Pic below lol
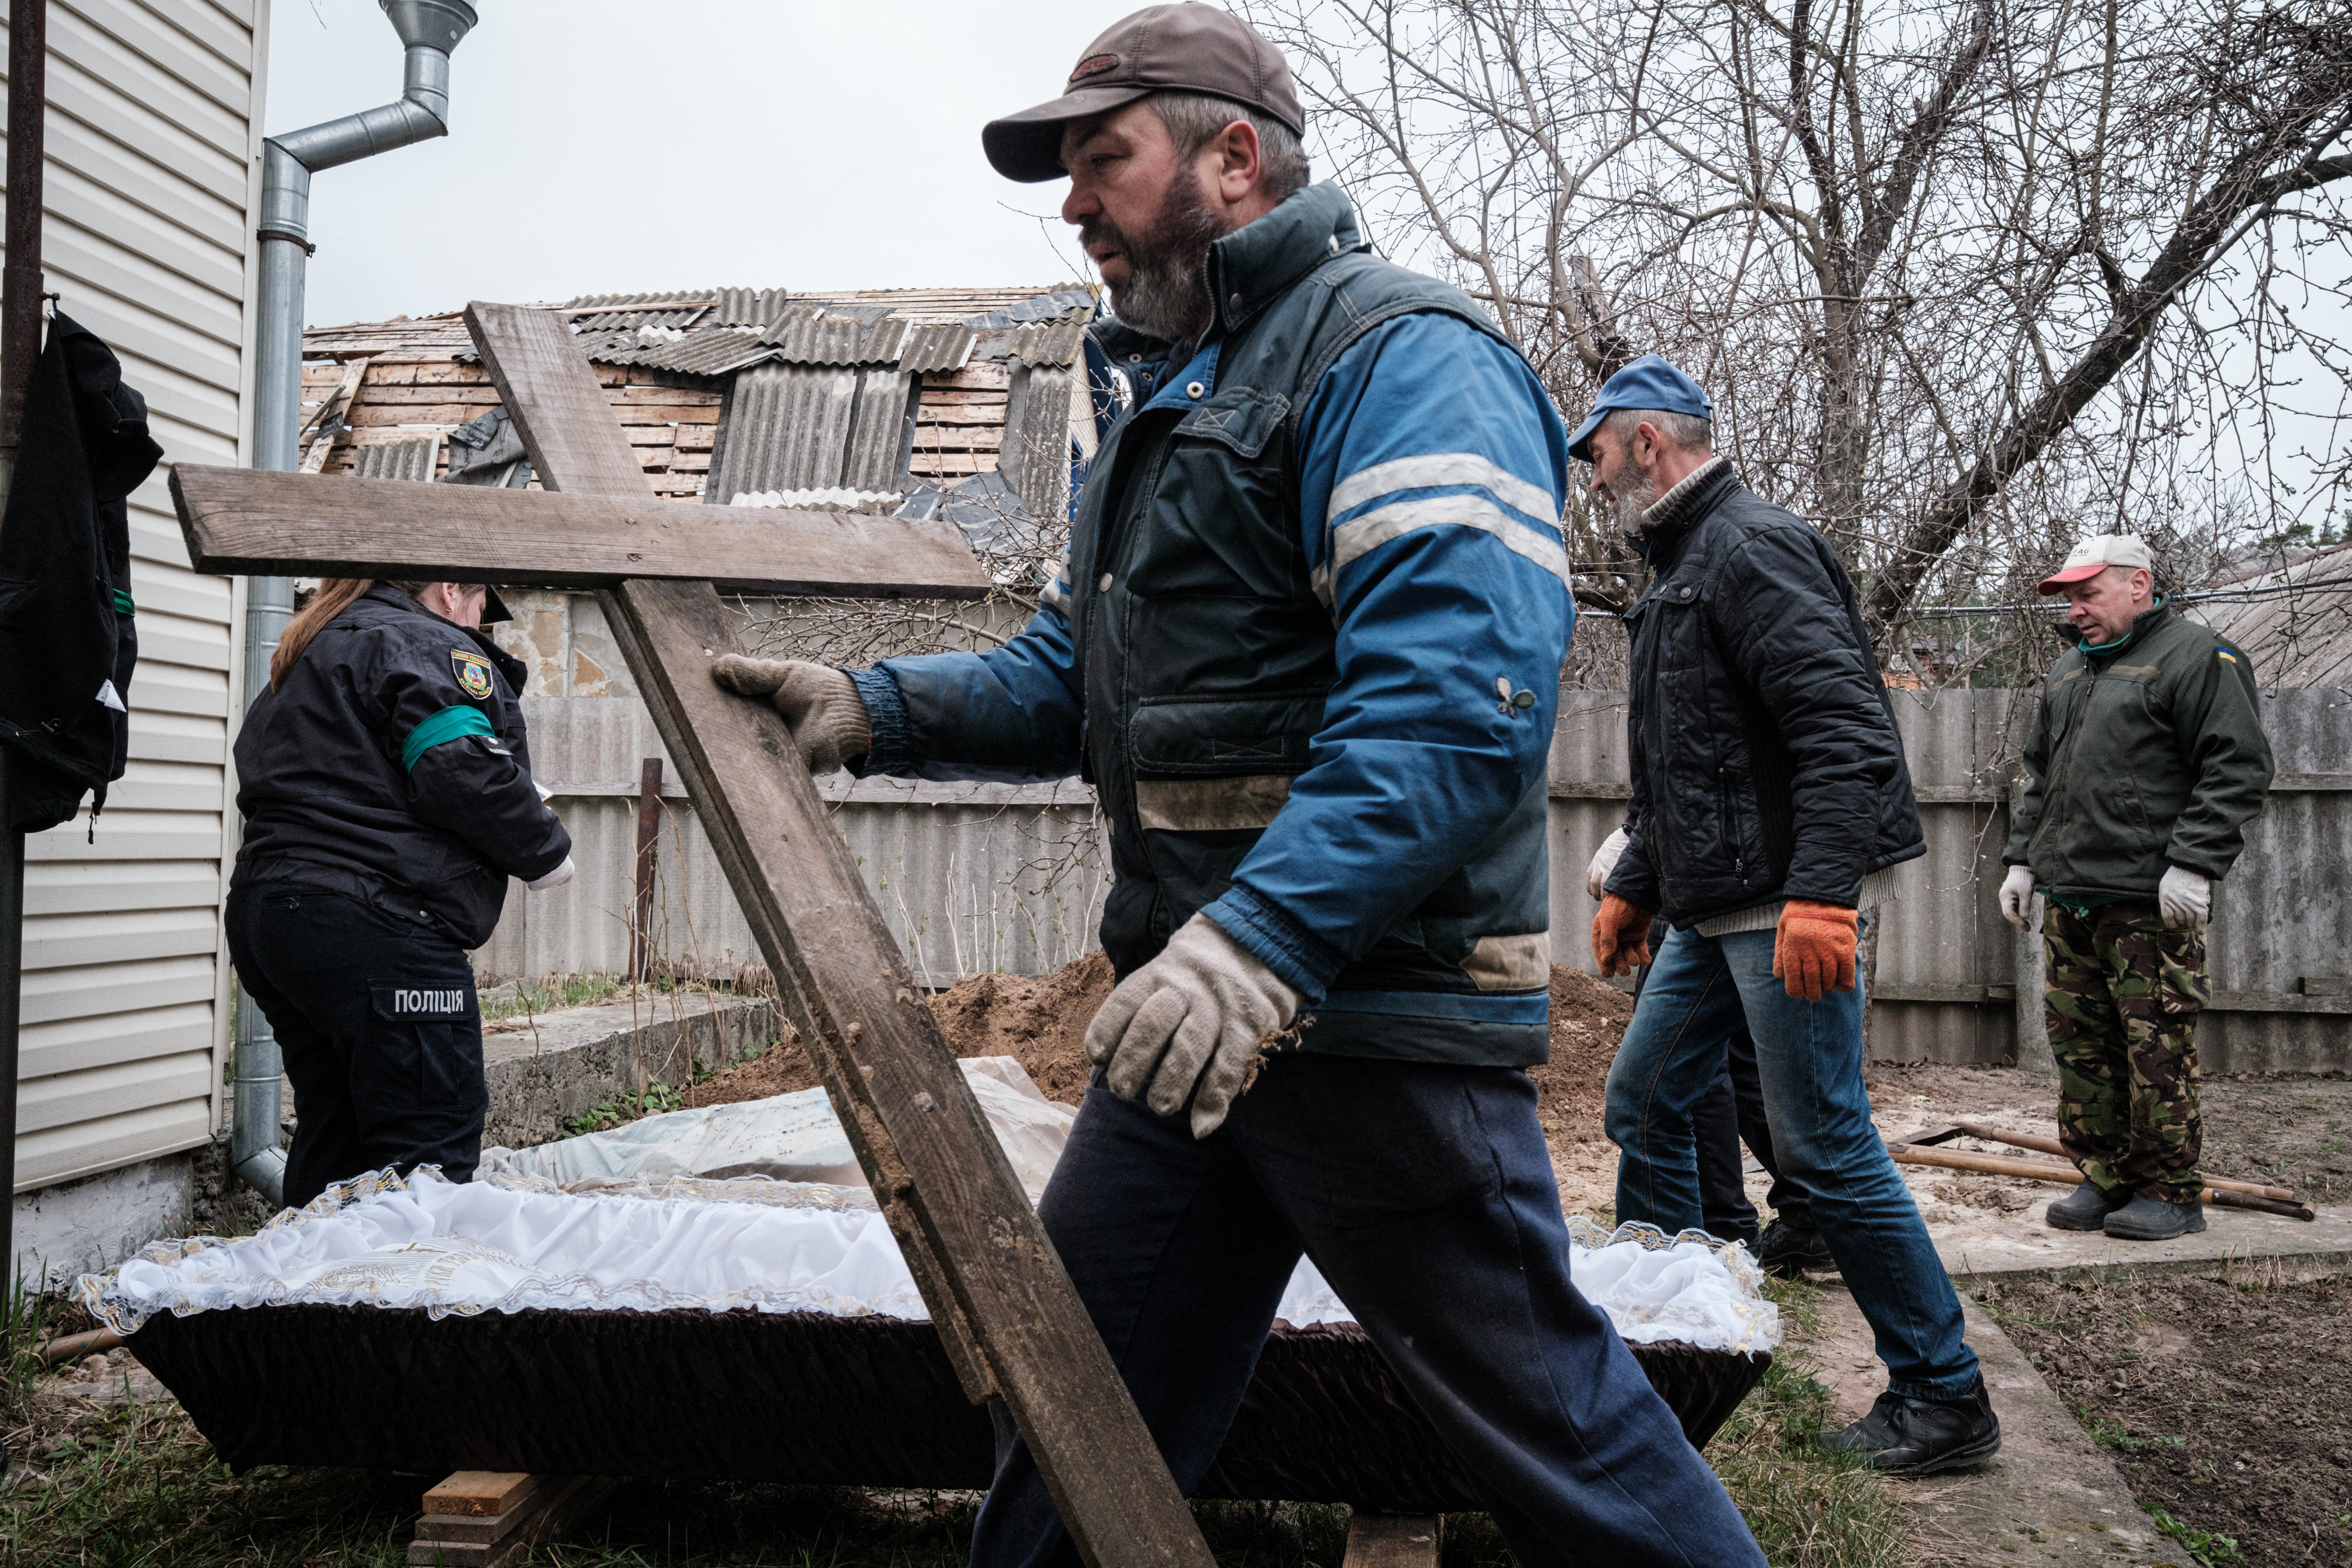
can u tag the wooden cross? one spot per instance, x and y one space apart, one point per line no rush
1005 1307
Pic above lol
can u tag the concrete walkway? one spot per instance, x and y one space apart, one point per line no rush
2235 1244
2051 1497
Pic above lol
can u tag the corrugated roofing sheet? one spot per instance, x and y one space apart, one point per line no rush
1057 343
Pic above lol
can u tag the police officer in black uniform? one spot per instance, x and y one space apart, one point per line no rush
385 783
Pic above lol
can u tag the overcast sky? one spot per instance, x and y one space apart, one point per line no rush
598 146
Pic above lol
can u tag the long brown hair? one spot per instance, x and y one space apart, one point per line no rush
332 598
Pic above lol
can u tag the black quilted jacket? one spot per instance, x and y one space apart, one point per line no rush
1765 758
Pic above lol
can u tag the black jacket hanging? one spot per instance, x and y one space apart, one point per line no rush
67 642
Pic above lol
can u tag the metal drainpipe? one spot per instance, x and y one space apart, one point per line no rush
428 30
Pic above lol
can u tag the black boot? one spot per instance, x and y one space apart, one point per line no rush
2086 1207
1904 1436
1788 1250
2147 1219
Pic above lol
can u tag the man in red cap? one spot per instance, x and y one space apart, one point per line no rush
2147 760
1306 648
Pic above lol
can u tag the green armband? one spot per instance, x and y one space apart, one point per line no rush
449 725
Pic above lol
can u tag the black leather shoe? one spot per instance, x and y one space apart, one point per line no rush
2086 1207
1904 1436
2152 1219
1788 1250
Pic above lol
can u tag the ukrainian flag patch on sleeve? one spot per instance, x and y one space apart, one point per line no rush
473 673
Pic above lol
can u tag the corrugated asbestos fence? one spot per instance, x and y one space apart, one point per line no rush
972 878
989 877
1947 967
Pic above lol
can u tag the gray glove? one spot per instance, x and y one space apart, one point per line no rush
554 879
820 704
2185 898
1604 862
1206 1002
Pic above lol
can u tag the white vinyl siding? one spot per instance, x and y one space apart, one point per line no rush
152 149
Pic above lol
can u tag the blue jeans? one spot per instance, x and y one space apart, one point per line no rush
1809 1057
1424 1193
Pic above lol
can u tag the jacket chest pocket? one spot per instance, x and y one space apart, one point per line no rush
1217 522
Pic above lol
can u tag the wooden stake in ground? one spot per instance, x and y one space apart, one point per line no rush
1003 1304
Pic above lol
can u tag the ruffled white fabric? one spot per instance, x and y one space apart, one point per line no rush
626 1222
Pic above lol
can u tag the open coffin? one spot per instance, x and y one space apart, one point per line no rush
602 1306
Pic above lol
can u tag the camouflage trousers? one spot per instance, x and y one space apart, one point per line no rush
2123 995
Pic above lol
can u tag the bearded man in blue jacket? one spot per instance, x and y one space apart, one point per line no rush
1306 650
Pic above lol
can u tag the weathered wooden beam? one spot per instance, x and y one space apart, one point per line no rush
1005 1304
244 520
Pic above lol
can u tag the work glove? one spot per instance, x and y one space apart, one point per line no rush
2186 899
2017 898
1605 861
554 879
1204 1003
820 705
1621 936
1813 951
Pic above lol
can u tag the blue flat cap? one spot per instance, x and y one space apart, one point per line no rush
1650 381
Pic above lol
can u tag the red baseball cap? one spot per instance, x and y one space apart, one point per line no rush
1161 48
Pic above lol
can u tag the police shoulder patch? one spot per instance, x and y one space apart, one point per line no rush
473 672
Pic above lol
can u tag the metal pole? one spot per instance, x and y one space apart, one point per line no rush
641 941
20 347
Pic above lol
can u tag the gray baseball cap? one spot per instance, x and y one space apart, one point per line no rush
1188 48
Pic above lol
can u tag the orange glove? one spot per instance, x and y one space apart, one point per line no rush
1813 949
1621 936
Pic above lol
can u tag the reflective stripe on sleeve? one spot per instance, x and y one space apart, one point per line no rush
449 725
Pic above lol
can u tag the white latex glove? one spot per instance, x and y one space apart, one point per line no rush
1605 861
554 879
2017 898
820 705
2185 897
1206 1002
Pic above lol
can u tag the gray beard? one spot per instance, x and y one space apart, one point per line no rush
1631 505
1167 291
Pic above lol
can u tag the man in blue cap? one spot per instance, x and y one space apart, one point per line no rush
1771 803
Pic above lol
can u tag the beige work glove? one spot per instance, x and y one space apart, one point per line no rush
1199 1013
2185 898
820 705
2017 898
1605 861
554 879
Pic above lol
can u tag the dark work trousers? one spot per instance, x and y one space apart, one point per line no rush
1424 1193
1718 1122
381 1030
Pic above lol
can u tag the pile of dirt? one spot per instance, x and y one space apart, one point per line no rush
2222 1402
1041 1021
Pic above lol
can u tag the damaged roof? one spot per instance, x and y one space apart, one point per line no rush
745 391
714 333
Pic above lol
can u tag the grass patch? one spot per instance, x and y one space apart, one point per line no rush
554 993
657 1099
2205 1548
1808 1508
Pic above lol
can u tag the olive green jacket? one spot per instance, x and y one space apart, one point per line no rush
2144 756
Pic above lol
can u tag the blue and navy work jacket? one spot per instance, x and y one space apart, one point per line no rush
1306 648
